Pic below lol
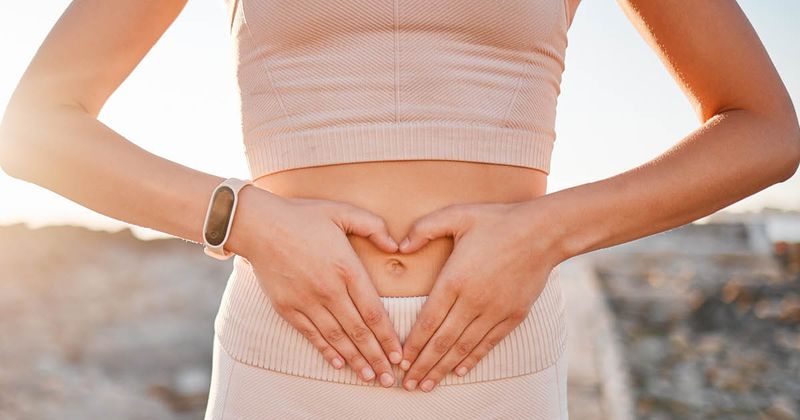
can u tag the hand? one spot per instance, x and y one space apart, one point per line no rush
501 260
303 261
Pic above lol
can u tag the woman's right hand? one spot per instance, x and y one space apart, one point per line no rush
300 254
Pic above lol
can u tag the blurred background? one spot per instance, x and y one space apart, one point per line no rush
702 321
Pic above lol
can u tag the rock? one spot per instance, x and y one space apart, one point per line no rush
782 408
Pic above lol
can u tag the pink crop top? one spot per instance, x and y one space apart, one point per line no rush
338 81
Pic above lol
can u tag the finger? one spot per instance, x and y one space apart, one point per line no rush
357 221
457 319
448 221
352 318
374 315
333 332
365 341
313 331
440 299
469 339
494 336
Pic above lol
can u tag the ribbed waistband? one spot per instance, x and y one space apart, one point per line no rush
409 140
253 333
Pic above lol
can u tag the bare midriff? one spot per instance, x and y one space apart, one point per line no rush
401 192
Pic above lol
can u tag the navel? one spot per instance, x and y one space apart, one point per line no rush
395 266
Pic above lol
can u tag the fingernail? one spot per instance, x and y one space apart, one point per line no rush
461 371
405 364
404 244
427 385
395 357
386 379
367 373
337 363
411 384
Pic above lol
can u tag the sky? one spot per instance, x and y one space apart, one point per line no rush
618 106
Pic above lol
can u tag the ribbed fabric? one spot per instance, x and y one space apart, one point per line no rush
339 81
254 334
243 392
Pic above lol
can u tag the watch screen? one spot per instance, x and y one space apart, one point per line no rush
221 206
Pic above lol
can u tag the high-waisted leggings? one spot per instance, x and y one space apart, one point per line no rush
263 368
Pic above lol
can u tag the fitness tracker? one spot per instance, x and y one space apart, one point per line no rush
219 217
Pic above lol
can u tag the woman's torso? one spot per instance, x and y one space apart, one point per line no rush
400 107
401 192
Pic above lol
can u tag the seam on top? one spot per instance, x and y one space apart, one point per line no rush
566 12
233 15
513 102
264 62
526 72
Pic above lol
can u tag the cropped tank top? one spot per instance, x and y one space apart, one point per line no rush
338 81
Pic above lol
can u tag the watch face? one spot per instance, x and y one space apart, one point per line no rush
221 206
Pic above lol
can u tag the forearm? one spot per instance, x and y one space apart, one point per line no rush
66 150
731 156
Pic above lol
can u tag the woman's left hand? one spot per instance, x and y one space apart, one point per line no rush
502 257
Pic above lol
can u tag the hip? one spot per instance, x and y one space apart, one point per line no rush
264 368
253 333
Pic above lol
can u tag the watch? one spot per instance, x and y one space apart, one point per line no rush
219 217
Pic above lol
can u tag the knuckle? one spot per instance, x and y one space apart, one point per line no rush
355 359
462 348
428 324
437 373
411 348
281 307
308 332
334 335
360 334
379 364
343 270
322 290
442 343
491 341
518 315
419 369
374 316
386 340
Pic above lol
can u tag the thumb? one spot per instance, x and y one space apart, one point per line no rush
448 221
364 223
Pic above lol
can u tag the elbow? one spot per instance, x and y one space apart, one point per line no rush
20 135
9 144
794 161
790 152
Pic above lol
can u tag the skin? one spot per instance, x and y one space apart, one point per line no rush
497 215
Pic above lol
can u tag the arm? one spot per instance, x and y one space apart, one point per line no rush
749 140
749 137
50 134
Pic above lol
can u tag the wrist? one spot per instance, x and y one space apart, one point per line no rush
549 230
241 236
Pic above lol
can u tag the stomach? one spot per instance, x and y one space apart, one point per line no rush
401 192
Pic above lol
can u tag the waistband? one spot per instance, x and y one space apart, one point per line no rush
253 333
